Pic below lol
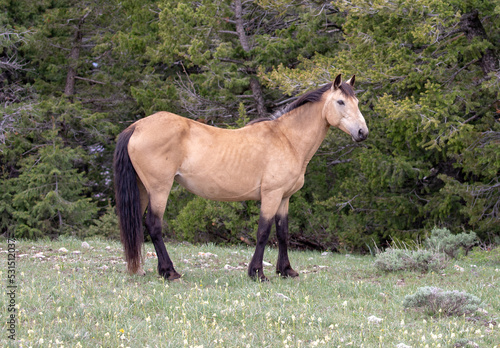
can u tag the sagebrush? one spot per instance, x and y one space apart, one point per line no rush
434 300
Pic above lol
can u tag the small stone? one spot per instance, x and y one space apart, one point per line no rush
63 250
206 255
374 319
402 345
85 245
284 297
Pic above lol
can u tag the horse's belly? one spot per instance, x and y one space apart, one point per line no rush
220 187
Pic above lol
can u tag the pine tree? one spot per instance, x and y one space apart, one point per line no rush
218 48
428 74
54 146
48 196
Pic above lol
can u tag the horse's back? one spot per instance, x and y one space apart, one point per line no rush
215 163
211 162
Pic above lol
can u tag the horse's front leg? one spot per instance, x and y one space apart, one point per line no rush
255 267
283 265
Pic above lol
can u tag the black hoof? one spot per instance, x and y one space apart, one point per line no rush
169 274
174 276
288 273
257 274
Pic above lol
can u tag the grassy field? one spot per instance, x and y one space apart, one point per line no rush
83 297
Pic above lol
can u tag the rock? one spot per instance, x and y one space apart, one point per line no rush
85 245
402 345
374 319
63 250
207 255
284 297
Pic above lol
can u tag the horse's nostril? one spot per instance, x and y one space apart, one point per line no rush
361 134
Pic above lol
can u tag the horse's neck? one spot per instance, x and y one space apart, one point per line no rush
305 128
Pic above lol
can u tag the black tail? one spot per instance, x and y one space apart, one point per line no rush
128 203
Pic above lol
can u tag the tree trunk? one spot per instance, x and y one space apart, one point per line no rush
240 28
258 96
471 26
69 89
255 86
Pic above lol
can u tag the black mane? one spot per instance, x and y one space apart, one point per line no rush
309 97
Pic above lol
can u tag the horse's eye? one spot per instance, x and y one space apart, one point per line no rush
341 102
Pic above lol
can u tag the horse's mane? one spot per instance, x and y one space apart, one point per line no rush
309 97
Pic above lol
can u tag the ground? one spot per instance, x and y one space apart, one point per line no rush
70 295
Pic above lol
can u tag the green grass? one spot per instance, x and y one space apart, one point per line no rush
88 300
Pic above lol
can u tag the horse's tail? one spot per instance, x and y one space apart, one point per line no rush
128 203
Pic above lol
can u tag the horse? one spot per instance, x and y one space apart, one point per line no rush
265 160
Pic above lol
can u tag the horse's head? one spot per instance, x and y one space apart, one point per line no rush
341 109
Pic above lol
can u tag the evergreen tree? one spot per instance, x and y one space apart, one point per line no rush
428 74
54 145
73 75
48 196
219 46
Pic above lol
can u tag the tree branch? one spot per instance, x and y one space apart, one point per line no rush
89 80
229 32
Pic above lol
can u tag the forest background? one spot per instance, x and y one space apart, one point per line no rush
74 74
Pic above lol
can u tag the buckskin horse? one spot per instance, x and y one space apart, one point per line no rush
265 160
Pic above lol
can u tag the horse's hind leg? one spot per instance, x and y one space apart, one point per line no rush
283 265
154 219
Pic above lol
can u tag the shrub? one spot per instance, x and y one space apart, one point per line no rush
106 226
442 240
434 300
202 220
409 260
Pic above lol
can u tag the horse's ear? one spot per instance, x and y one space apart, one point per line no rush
337 82
351 80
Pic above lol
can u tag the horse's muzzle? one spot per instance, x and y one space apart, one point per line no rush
361 135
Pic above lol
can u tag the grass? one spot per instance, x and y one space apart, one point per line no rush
87 299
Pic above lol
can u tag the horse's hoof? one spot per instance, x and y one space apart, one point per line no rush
288 273
169 274
254 274
263 279
174 276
